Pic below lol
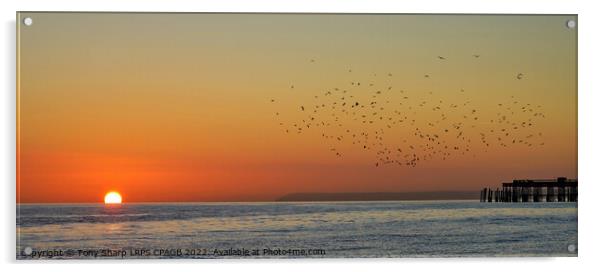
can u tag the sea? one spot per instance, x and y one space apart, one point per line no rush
375 229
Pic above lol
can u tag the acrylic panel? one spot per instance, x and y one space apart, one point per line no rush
257 135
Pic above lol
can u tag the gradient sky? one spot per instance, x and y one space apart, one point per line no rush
176 107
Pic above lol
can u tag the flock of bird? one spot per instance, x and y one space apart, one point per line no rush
403 127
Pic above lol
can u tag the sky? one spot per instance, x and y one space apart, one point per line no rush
251 107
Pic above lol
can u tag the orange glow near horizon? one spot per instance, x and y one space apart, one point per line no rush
217 107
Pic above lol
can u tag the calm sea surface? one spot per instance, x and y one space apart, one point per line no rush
297 230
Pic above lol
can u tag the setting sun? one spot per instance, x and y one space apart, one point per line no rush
112 198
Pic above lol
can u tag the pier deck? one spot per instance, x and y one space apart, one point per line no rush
533 190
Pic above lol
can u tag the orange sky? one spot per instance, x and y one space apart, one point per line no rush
165 107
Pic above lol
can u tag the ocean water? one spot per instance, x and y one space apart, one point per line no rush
296 230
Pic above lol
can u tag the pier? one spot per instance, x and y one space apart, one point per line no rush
560 189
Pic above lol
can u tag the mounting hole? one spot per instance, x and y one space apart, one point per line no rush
572 248
571 24
27 251
28 21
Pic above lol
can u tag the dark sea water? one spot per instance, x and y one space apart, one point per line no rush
297 230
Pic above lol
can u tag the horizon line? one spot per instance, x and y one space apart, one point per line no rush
223 202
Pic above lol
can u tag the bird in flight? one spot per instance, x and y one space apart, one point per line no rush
520 76
476 56
441 58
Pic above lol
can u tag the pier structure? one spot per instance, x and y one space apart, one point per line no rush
560 189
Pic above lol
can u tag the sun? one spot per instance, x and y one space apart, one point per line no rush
113 198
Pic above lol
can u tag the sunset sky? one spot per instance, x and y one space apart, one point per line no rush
178 107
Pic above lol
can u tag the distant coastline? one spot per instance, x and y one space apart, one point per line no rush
381 196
